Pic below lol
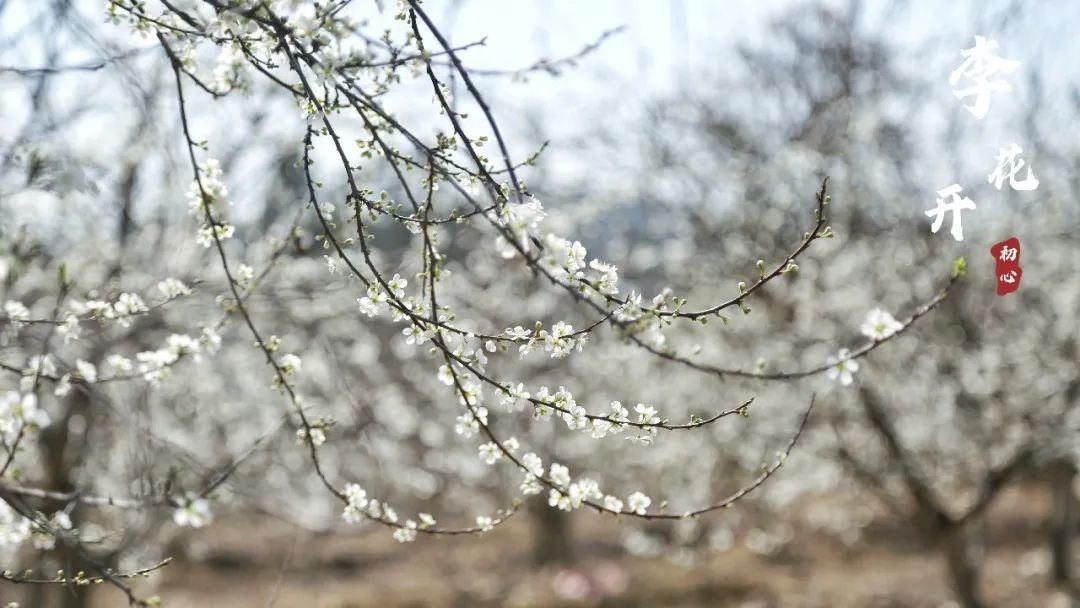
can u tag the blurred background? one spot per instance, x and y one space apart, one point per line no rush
681 141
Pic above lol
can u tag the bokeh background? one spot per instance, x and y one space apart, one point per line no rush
682 141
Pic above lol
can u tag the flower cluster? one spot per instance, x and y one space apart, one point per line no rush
154 365
39 529
319 58
19 412
358 506
121 310
207 199
878 326
16 313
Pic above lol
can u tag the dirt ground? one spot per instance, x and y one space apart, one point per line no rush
272 565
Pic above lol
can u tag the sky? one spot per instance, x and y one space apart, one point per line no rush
667 47
664 45
663 49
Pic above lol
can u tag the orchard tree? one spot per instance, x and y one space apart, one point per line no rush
349 296
985 393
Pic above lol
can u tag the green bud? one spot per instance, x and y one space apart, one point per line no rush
959 267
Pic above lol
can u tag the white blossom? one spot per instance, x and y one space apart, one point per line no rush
44 536
86 370
172 288
533 464
194 512
16 312
356 503
879 325
613 504
69 330
841 367
406 533
19 411
638 503
559 474
490 453
484 523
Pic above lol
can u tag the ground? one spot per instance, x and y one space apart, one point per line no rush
274 565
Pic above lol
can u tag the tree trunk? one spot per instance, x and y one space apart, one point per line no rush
1063 520
964 555
551 534
56 441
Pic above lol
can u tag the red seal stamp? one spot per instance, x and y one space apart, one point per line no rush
1007 269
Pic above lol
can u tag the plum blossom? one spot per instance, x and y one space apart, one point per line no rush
485 523
172 288
356 503
44 536
490 453
576 418
16 313
86 370
560 341
19 411
841 367
194 512
317 434
559 474
613 504
517 333
14 528
607 281
638 503
69 330
515 398
533 464
374 303
406 533
558 500
879 325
